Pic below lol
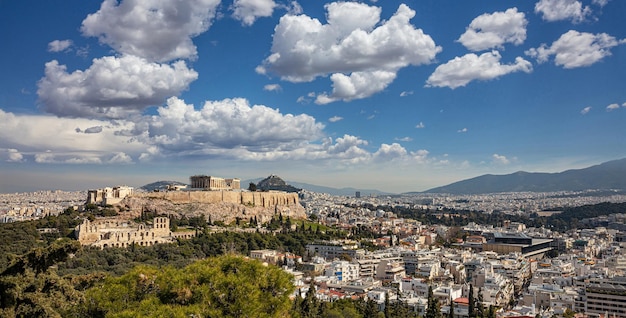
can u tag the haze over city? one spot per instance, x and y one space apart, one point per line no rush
396 96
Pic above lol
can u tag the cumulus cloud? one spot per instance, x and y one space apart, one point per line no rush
59 45
406 93
225 125
462 70
489 31
155 30
556 10
500 159
335 119
360 52
612 107
272 87
356 86
390 152
420 125
463 130
585 110
14 156
576 49
247 11
120 158
112 87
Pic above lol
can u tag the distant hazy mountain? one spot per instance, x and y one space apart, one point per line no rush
608 175
322 189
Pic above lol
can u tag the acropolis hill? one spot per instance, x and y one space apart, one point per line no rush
221 199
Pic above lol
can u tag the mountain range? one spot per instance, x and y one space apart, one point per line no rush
605 176
608 175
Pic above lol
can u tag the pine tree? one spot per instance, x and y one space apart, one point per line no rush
451 312
434 309
387 309
480 309
371 310
472 308
310 304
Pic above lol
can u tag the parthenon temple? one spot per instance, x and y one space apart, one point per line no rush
214 183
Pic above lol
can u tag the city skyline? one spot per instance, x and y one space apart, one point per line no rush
395 96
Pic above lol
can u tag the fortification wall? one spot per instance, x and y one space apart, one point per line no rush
263 199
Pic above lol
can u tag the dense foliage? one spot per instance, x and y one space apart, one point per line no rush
225 286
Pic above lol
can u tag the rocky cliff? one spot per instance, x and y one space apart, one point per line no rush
223 206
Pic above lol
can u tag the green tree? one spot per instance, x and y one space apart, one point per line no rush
225 286
472 303
252 187
371 309
434 309
480 308
30 288
310 304
451 312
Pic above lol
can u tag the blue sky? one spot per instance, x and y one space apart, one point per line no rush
397 96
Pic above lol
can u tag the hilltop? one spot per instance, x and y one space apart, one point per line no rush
275 183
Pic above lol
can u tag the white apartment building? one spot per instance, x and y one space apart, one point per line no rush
343 271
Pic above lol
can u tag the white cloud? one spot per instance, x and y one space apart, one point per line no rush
404 139
420 125
463 130
221 126
355 46
600 3
390 152
293 8
120 158
155 30
575 49
247 11
422 156
585 110
556 10
348 148
462 70
272 87
612 107
14 156
500 159
112 87
32 135
489 31
406 93
59 45
356 86
335 119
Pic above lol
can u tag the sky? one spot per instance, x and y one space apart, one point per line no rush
391 95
